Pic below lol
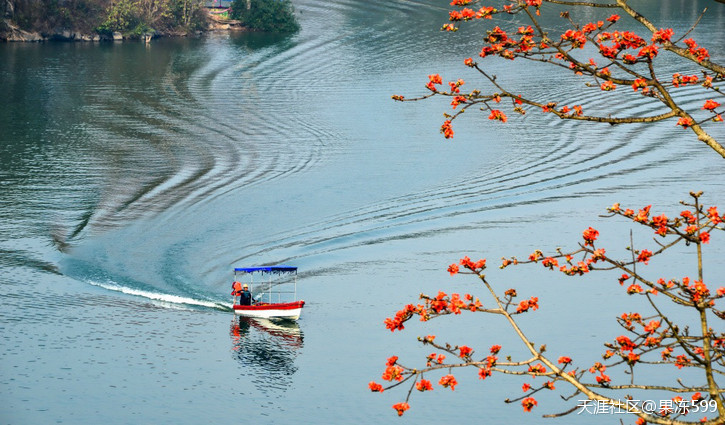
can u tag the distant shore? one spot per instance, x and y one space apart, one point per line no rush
214 23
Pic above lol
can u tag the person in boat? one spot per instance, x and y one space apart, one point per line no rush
245 297
236 289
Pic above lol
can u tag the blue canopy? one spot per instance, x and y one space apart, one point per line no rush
267 269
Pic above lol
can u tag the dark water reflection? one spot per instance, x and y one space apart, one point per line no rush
266 350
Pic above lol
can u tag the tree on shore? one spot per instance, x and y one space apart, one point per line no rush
266 15
131 17
609 59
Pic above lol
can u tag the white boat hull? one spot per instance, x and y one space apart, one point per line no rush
290 311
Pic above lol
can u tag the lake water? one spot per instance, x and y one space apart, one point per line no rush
134 178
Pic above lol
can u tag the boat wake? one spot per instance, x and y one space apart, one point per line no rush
164 300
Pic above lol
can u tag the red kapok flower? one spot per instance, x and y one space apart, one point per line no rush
529 403
662 35
639 83
603 379
447 129
644 256
393 372
465 351
484 373
710 105
424 385
448 381
685 122
634 289
498 115
564 360
375 387
608 86
590 235
401 408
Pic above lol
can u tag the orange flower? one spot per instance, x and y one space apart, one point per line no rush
375 387
529 403
634 289
625 343
710 105
687 215
564 360
705 237
526 387
550 263
662 35
685 122
498 115
681 361
608 86
484 373
613 18
495 349
537 368
448 381
712 214
598 367
639 83
643 215
424 385
644 256
435 79
603 379
648 51
401 408
652 326
453 269
393 373
465 351
590 235
447 129
457 100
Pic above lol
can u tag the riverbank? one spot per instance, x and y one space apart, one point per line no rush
214 22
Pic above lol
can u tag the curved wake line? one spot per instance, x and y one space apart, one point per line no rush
168 300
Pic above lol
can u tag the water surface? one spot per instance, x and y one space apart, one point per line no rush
135 177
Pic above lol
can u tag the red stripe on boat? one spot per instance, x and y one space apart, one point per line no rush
278 306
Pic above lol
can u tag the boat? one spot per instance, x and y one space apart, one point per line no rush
268 300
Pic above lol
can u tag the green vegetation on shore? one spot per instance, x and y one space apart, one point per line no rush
133 18
265 15
102 17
